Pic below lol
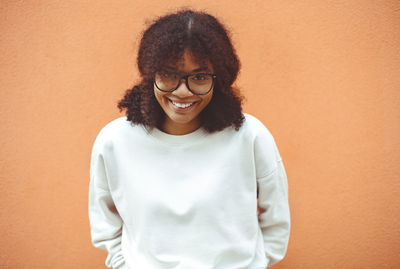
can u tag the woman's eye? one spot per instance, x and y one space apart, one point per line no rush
199 77
169 75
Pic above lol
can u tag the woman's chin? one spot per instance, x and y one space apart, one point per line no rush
181 123
181 120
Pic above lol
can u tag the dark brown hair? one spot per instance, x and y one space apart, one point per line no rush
164 42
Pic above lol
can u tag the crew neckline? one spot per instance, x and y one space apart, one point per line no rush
176 139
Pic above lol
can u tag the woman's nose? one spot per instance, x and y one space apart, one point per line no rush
182 91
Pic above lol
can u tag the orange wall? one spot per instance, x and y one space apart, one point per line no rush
322 75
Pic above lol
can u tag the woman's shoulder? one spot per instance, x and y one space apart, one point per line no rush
264 143
118 128
254 126
113 126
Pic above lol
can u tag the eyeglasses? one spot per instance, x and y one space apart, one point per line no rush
197 83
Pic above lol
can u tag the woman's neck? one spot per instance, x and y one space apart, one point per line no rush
174 128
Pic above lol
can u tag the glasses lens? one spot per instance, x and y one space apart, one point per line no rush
166 81
200 83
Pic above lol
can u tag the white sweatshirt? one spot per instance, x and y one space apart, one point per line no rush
159 201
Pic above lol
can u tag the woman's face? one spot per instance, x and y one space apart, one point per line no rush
182 107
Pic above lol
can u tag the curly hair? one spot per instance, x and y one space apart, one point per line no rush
164 42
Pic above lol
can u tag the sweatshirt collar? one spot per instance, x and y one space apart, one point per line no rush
177 139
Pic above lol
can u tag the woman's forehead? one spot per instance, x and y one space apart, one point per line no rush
187 59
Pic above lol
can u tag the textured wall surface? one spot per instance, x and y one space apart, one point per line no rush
322 75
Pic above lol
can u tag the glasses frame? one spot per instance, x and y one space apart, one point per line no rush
186 78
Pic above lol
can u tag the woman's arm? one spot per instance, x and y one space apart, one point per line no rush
105 222
273 204
274 215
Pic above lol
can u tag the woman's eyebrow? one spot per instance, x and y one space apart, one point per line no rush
205 68
202 68
170 67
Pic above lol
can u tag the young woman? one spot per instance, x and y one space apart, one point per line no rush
176 183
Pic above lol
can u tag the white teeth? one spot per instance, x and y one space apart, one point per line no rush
182 105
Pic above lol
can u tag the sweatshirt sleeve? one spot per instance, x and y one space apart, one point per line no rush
105 222
273 199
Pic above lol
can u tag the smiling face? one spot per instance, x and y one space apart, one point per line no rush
182 107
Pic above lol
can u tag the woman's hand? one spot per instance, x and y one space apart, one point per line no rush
259 210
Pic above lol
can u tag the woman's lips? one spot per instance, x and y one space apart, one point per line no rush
181 106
